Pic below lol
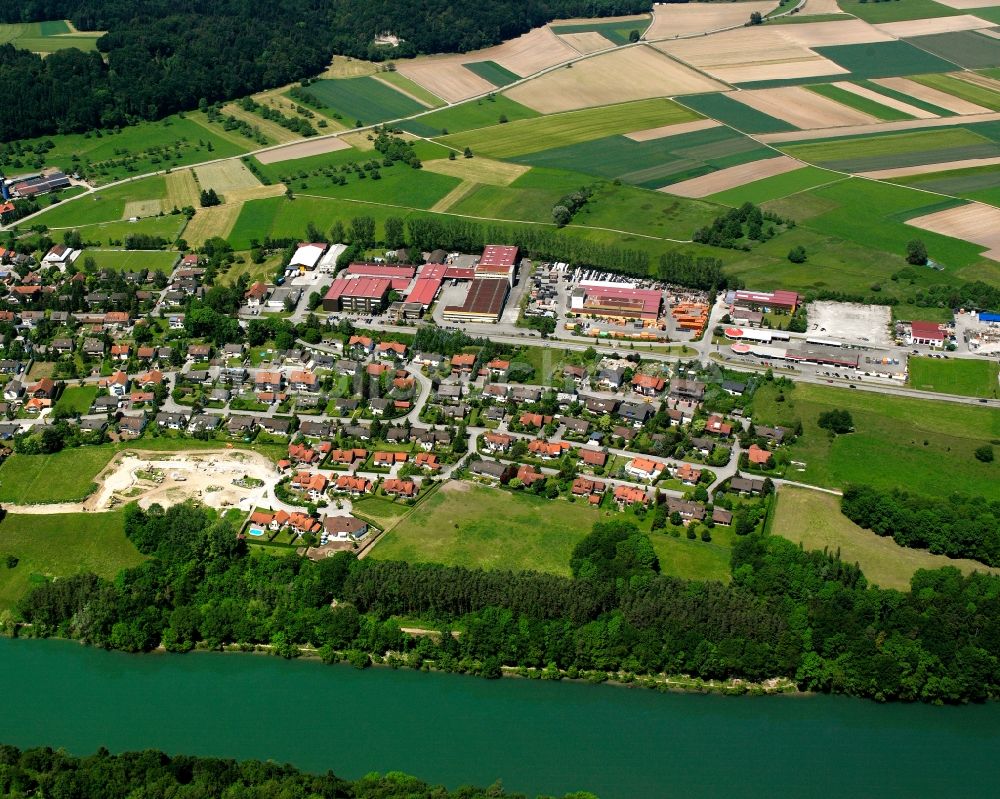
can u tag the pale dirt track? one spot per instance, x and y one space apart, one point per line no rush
881 127
927 27
671 19
664 131
929 169
976 222
889 102
732 177
635 73
933 96
802 108
301 150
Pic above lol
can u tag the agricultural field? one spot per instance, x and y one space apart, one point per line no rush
656 162
866 105
76 399
813 519
723 107
974 183
226 176
132 260
613 32
970 377
977 98
645 212
669 21
61 545
474 526
408 87
903 90
103 205
734 177
968 49
879 13
400 186
482 113
777 187
365 99
923 446
48 37
559 130
884 59
493 72
66 476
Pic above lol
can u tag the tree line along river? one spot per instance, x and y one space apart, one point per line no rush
535 736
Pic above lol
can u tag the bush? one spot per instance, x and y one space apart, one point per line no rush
797 255
985 453
916 252
837 421
12 561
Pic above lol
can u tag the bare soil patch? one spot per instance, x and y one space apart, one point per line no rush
976 222
584 43
732 177
822 7
664 131
670 19
851 321
802 108
824 34
635 73
889 102
926 27
301 150
933 96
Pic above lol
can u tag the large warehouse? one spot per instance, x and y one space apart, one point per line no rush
498 261
357 294
767 300
617 302
483 303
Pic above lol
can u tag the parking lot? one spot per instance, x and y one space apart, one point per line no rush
851 322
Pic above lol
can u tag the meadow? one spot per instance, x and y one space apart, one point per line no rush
132 260
474 114
968 49
48 36
61 545
398 185
776 187
364 99
492 72
921 445
813 519
559 130
884 59
724 108
65 476
970 377
105 205
76 399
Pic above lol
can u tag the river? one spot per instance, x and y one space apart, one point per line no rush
537 737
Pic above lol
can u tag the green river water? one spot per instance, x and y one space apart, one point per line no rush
536 737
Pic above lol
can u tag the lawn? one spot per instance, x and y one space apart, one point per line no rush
863 104
615 32
475 526
813 519
884 59
558 130
921 445
722 107
364 99
60 545
898 11
694 559
966 48
66 476
48 36
132 260
77 399
492 72
970 377
774 188
474 114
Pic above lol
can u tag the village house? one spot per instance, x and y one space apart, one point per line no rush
600 405
630 495
257 294
491 470
758 456
360 346
345 528
132 426
687 389
399 488
346 457
388 459
303 381
647 385
718 426
276 426
171 421
644 469
689 511
498 367
391 349
593 457
534 420
241 425
746 485
722 516
636 413
611 378
355 486
548 450
268 381
497 442
463 363
314 485
592 489
426 460
199 352
687 474
528 475
434 438
117 384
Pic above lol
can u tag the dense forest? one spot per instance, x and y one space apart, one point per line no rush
44 772
163 56
789 613
956 526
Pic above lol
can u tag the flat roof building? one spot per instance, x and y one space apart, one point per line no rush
498 261
617 301
307 256
399 275
782 300
483 303
357 295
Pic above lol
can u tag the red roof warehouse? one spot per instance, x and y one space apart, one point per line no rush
399 275
787 300
424 291
926 333
363 294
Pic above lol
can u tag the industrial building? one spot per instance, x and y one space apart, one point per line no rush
616 302
498 261
400 276
33 185
766 300
928 333
483 303
357 295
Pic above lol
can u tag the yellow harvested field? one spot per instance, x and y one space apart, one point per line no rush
734 176
642 18
272 130
814 7
259 192
823 34
584 43
976 222
182 189
927 27
933 96
536 50
928 169
478 170
458 193
303 149
664 131
889 102
223 176
446 77
359 140
346 67
210 222
634 73
881 127
671 19
802 108
747 55
142 208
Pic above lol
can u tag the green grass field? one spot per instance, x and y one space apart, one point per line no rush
399 185
404 84
813 519
653 163
481 113
979 95
255 221
559 130
774 188
896 11
966 48
132 260
884 59
47 37
492 72
471 525
722 107
977 183
77 399
905 98
105 205
647 212
365 98
921 445
66 476
615 32
863 104
966 376
60 545
694 560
